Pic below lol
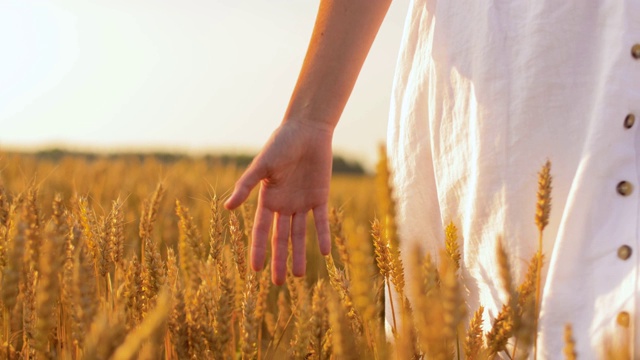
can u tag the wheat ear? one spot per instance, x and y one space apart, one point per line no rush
451 244
500 332
249 323
473 345
569 344
336 220
152 324
543 210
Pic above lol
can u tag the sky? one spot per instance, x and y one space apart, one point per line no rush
191 76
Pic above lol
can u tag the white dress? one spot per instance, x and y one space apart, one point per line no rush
484 93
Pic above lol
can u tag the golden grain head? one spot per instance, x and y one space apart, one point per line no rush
543 204
452 246
474 341
569 344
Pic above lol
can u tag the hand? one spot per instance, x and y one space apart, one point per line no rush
294 171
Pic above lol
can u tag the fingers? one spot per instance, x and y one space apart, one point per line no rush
298 243
321 218
279 245
244 185
260 234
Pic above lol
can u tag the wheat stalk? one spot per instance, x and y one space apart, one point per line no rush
104 337
149 212
249 323
336 219
500 333
238 247
302 331
224 310
504 269
319 320
5 206
216 230
133 293
454 309
31 213
452 247
151 325
340 285
543 210
84 293
569 344
474 344
48 293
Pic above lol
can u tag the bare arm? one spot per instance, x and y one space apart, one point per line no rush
342 37
294 166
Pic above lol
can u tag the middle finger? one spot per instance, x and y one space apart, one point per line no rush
279 244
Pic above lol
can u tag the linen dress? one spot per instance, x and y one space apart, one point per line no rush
485 92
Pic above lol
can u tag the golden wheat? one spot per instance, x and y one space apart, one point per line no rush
99 267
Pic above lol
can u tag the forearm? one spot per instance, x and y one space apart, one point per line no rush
341 39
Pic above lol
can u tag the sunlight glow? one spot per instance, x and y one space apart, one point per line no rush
195 75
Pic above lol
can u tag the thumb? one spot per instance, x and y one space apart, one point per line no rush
244 185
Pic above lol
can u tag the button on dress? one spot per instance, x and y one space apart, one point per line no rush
485 93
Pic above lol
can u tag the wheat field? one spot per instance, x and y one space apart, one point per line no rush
135 258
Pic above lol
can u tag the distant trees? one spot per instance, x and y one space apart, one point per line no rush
340 164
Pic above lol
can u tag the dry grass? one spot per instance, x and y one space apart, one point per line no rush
106 260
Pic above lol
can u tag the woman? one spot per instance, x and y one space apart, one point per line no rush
484 93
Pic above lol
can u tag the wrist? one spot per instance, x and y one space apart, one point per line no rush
308 122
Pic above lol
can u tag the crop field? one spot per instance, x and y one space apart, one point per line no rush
135 258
